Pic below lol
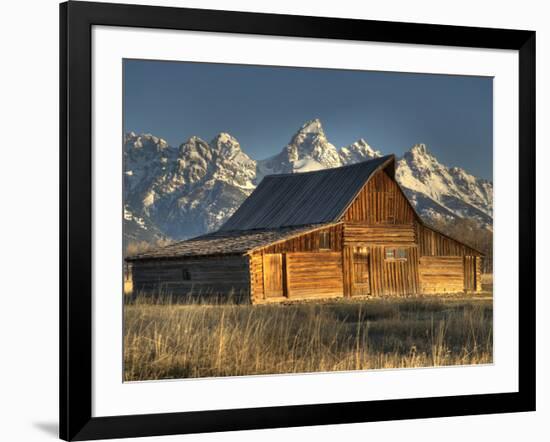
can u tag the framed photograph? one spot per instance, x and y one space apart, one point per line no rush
273 221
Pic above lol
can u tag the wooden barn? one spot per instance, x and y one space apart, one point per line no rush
343 232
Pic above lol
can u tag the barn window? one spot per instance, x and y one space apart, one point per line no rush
324 240
185 275
396 254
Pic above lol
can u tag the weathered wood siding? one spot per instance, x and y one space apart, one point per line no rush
295 275
433 243
478 273
309 242
209 276
446 265
314 275
441 274
395 276
386 277
472 273
381 201
398 277
396 235
274 275
256 277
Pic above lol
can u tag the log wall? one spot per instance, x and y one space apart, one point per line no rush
361 234
295 275
314 275
221 275
441 274
256 277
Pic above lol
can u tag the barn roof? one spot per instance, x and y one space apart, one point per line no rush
224 243
303 198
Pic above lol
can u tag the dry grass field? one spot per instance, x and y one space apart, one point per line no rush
165 340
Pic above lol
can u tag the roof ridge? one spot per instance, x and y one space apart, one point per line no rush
360 163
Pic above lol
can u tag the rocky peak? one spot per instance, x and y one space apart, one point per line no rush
195 145
309 136
419 149
312 127
357 152
146 142
194 189
227 148
310 143
193 160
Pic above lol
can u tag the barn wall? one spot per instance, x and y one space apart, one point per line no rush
314 275
284 276
433 243
396 277
361 234
446 265
478 273
387 277
256 277
441 274
309 242
472 273
222 275
381 201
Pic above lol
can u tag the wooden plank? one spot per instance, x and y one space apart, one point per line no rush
314 274
378 201
273 275
442 274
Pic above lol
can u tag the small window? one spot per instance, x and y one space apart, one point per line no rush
185 275
324 240
398 253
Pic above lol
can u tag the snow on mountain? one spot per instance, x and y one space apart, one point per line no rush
308 150
441 192
357 152
186 191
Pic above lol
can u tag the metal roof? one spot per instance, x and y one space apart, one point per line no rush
223 243
303 198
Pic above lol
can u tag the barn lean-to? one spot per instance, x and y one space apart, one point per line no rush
342 232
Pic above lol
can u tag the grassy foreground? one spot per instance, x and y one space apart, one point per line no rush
164 341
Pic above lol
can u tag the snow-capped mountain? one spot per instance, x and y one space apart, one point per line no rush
186 191
308 150
357 152
455 192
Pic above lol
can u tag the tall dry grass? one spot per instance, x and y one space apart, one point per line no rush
164 340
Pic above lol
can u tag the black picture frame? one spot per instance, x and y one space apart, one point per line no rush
76 21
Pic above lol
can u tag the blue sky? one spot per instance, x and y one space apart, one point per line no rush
263 106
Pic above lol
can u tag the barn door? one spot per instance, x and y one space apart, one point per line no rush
361 271
273 275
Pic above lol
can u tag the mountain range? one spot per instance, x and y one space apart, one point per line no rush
178 193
